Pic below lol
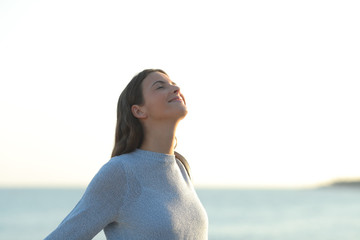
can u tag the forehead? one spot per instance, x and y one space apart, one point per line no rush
155 77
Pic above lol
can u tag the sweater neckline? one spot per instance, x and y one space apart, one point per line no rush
154 155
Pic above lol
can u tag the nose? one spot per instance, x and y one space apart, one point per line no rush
177 92
176 89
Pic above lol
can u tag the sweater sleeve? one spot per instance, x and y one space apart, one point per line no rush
98 207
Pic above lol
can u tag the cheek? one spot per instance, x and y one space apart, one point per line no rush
157 103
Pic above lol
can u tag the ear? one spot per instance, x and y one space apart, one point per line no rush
138 112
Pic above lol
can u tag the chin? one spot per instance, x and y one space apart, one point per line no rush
178 114
183 114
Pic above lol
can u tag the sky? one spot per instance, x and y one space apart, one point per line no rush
272 87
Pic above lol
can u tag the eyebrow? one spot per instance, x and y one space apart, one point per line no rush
160 81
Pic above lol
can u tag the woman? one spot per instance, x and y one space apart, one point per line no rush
144 191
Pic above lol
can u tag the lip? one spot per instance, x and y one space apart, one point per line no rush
176 99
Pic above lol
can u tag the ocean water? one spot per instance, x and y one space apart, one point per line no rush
316 214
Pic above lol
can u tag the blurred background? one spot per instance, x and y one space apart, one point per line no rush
272 89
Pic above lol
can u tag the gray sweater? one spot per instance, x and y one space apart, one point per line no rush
138 195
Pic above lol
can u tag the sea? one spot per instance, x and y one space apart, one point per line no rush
241 214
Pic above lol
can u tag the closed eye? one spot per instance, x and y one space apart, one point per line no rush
162 82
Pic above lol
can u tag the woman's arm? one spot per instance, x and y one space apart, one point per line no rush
98 207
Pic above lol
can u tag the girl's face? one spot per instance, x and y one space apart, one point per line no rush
162 97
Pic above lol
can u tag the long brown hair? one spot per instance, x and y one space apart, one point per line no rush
129 133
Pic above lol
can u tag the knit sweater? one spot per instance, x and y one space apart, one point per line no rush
138 195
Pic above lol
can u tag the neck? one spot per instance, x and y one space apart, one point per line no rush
159 138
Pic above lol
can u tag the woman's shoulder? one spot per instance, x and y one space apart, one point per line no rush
113 172
116 170
122 159
115 167
121 162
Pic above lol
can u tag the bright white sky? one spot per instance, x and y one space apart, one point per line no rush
272 87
